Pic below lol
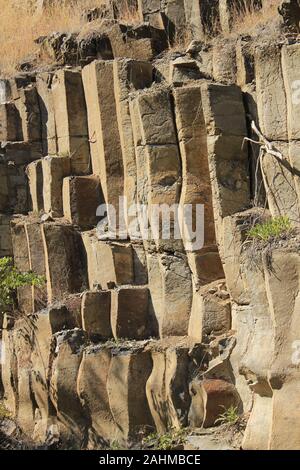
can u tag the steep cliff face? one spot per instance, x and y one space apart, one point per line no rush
131 333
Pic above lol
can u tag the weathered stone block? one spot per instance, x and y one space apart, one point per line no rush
5 91
259 424
71 119
183 70
82 195
21 153
129 76
126 387
106 151
10 123
228 163
9 368
36 263
234 235
46 323
46 103
95 311
29 111
22 262
271 95
217 396
64 259
55 169
171 292
138 43
244 63
5 236
19 82
139 264
158 160
196 184
35 176
109 264
211 312
22 350
224 62
71 422
92 389
205 265
202 17
129 313
282 186
167 387
14 191
154 108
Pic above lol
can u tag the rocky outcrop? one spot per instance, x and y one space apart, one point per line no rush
135 332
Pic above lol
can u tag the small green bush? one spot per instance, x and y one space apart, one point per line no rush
273 228
4 413
169 441
11 279
230 416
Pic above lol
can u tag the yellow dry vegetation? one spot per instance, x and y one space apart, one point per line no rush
20 25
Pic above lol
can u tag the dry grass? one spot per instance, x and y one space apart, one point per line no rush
20 26
248 19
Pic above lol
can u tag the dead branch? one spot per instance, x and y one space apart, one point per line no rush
263 142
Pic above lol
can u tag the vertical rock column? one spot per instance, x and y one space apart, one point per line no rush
159 186
277 121
21 261
71 119
291 74
157 156
204 260
225 121
46 104
106 149
129 76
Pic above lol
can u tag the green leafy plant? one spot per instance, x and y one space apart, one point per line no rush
168 441
4 413
271 229
229 417
11 279
115 445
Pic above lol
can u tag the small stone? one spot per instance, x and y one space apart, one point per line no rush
194 47
47 218
213 290
223 295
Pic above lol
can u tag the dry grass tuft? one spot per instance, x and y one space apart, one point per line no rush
249 18
127 12
20 26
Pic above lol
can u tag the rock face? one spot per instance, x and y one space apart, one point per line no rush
148 323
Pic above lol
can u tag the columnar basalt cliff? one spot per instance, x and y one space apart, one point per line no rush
134 336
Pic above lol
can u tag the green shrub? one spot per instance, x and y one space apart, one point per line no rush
273 228
169 441
4 413
11 279
229 417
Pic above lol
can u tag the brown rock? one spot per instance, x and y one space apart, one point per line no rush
129 313
71 119
96 314
81 197
126 387
218 395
